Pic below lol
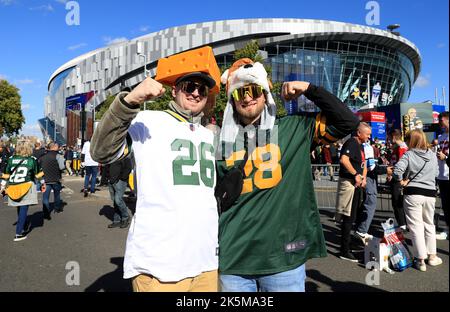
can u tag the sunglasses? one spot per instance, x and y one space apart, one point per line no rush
190 87
254 91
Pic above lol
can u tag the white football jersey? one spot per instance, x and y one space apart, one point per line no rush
174 232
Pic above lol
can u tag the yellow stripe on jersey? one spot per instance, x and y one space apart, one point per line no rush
176 116
322 133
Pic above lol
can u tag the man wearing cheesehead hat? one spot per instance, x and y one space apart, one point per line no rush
172 241
273 228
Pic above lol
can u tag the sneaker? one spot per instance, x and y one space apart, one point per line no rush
124 224
364 237
434 261
348 256
442 236
421 266
20 237
114 225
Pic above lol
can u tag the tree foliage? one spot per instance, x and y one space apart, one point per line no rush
11 116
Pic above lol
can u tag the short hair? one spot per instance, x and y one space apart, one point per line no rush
52 145
24 148
363 124
443 115
396 134
417 139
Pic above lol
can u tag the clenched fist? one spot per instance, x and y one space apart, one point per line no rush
146 90
293 89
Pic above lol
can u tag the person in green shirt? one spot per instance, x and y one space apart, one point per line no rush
273 228
21 172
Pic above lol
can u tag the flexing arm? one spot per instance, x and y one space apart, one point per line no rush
110 136
335 121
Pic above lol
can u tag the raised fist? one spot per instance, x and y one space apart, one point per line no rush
146 90
293 89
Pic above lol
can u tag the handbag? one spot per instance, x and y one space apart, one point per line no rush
229 188
402 187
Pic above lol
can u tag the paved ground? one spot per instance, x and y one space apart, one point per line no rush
80 234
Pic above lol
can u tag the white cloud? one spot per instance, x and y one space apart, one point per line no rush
77 46
6 2
31 130
45 7
26 107
144 28
441 45
112 41
25 81
423 81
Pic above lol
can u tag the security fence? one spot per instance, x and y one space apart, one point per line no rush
325 179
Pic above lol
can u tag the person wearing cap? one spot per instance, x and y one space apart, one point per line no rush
173 236
273 228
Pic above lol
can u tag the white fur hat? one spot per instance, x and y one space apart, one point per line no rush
244 72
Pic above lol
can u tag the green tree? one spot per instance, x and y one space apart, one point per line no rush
102 108
11 117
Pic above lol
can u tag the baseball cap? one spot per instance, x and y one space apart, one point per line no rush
209 81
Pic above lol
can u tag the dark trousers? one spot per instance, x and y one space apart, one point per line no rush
444 193
56 187
347 221
117 190
22 212
397 203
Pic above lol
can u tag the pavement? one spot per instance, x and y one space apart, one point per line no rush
78 241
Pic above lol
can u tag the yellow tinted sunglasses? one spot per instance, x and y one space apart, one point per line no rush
254 91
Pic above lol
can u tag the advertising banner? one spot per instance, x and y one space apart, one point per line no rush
78 101
378 131
415 115
376 90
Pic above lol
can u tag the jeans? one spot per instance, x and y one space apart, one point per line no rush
116 191
91 171
56 194
22 212
370 205
444 193
290 281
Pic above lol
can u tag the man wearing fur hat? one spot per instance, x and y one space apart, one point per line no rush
273 228
172 241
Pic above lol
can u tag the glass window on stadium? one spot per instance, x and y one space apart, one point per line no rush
346 69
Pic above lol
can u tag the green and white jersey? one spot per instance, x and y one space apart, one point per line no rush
274 226
174 232
26 169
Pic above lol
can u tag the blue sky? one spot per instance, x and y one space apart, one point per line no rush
35 39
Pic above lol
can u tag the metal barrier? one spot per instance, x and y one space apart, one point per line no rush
325 179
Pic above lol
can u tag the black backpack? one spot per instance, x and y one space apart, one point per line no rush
229 188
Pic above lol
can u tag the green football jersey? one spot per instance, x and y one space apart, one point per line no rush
27 170
274 226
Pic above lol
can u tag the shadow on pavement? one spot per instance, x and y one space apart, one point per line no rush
113 281
108 212
335 285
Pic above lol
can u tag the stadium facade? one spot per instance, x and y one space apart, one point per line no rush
359 64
